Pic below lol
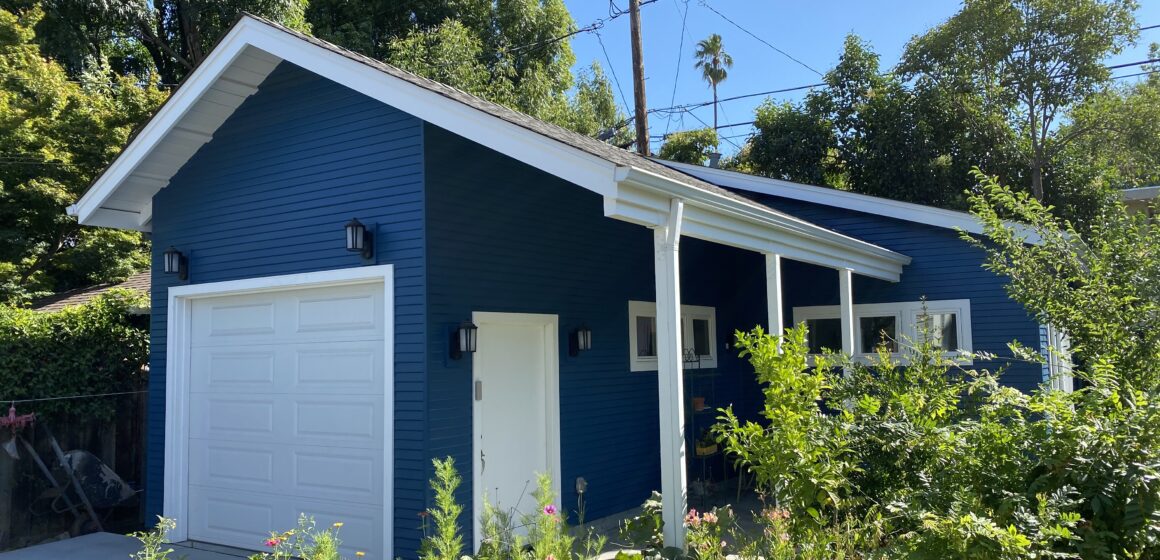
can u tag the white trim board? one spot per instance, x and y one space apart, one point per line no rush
121 196
825 196
177 373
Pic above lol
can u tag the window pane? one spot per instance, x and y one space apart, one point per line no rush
876 332
824 333
701 337
944 329
646 337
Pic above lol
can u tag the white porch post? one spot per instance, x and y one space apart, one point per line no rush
670 375
846 300
773 294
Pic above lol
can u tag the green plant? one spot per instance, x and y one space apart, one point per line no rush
447 542
644 531
705 531
153 545
306 542
107 353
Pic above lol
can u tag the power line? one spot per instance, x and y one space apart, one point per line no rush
680 56
1145 73
1140 63
766 43
612 69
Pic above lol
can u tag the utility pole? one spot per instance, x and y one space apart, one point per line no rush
642 146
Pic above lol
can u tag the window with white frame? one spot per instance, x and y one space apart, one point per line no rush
698 336
1058 353
894 325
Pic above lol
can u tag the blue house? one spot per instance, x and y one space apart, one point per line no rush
510 294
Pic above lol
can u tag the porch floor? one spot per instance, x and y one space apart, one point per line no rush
111 546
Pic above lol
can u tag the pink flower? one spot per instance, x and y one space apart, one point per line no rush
273 541
709 517
549 509
691 518
550 556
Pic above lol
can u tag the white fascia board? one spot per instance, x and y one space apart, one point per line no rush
554 157
1140 193
643 198
825 196
166 119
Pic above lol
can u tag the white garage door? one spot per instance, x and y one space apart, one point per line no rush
286 415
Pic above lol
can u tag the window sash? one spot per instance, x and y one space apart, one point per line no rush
691 315
906 316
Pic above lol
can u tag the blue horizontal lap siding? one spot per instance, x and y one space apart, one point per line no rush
943 267
268 196
504 237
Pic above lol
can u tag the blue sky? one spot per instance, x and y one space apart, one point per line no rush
811 31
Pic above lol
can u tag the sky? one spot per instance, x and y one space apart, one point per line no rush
810 31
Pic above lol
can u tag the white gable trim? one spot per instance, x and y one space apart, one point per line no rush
121 197
826 196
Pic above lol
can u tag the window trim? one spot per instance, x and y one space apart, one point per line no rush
906 314
688 314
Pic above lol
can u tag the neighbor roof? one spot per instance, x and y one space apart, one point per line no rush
139 282
122 195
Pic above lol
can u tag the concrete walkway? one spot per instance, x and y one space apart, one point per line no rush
106 546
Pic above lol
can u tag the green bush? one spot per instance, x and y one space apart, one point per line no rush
934 460
83 350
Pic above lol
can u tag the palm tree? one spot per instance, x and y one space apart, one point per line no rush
714 63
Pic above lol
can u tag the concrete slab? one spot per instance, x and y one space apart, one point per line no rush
104 546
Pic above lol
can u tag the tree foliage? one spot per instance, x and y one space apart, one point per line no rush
875 134
693 146
510 53
139 37
56 134
714 63
1031 60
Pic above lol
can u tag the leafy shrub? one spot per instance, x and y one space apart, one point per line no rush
153 545
83 350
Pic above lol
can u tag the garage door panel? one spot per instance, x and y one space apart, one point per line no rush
344 367
234 519
353 475
340 420
362 527
339 312
318 472
247 467
241 519
286 415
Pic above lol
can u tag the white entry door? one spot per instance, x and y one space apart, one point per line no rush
286 415
515 416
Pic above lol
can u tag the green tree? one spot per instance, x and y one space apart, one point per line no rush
714 64
874 134
1115 145
170 37
692 146
55 135
1030 59
510 53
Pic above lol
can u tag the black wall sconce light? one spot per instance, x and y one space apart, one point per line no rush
580 341
176 263
359 239
463 339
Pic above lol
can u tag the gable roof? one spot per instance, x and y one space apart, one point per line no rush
635 189
138 282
